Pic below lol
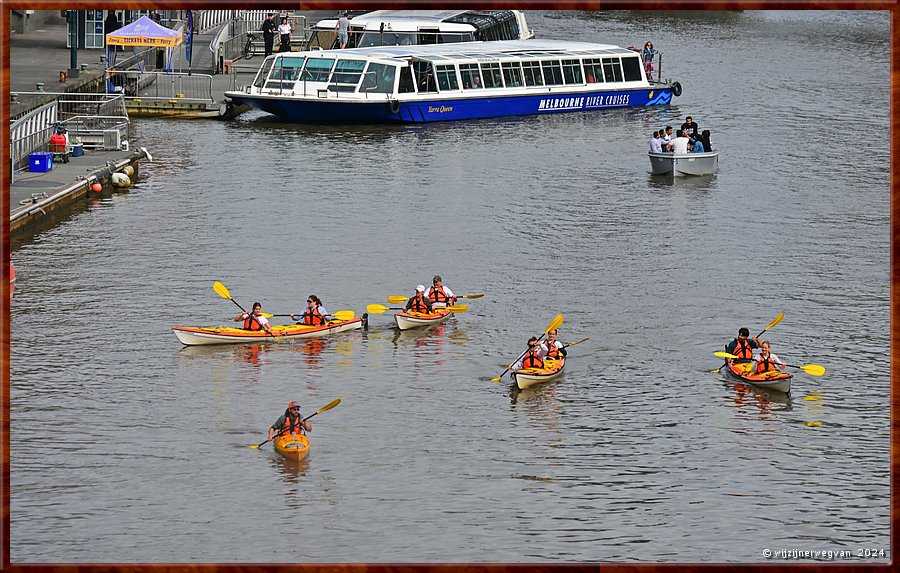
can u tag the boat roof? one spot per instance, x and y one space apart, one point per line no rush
399 20
480 50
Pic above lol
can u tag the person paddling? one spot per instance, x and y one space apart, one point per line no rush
766 361
254 319
742 346
552 348
315 314
290 422
438 294
533 357
418 303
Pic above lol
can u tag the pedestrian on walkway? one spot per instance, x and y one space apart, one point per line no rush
268 30
284 31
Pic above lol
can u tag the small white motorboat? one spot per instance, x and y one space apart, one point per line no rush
681 164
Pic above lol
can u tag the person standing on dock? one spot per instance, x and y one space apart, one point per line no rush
284 32
268 30
343 29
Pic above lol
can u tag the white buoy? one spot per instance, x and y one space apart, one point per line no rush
128 170
120 180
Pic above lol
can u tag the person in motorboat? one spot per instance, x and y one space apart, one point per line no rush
766 361
704 138
438 294
680 144
691 126
552 348
647 55
290 422
314 315
418 303
696 145
665 135
533 357
254 320
742 346
655 143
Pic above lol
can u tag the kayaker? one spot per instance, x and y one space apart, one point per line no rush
315 314
290 422
767 361
254 320
742 346
438 294
418 303
552 348
532 357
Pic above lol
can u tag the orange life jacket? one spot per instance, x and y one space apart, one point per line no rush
252 323
438 295
766 364
291 426
552 350
313 317
416 305
532 359
742 349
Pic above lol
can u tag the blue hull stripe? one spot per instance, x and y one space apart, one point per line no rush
313 111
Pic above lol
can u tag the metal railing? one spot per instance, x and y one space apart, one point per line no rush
30 133
180 85
232 47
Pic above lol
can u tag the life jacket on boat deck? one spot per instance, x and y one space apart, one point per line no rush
766 364
416 305
252 323
742 349
313 317
552 350
438 295
532 359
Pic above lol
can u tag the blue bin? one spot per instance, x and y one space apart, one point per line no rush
77 150
40 162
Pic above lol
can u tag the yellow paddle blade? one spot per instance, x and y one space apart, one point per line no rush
254 447
813 369
221 290
375 308
266 314
724 355
774 322
457 307
477 295
554 324
344 314
579 342
329 406
397 299
497 379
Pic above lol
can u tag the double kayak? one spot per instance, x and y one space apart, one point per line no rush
292 446
407 320
194 335
771 380
552 370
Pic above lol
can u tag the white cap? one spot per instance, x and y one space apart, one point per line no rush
420 288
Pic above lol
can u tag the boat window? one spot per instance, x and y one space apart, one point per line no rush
471 79
593 70
346 75
512 74
532 71
456 37
429 36
317 69
325 39
612 69
406 81
446 76
552 73
632 69
263 73
285 72
491 74
379 78
424 76
572 71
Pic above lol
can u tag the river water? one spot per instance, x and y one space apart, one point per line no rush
127 446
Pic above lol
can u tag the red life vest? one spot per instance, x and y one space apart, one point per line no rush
766 364
416 305
313 317
291 426
552 350
252 323
532 359
742 349
438 295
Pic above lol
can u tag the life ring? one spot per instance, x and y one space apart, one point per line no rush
395 106
676 89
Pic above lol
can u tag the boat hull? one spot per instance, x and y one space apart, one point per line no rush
527 377
307 110
408 320
772 380
683 164
197 335
292 446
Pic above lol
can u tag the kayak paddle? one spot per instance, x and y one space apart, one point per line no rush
339 315
399 299
574 343
222 291
554 324
328 406
379 308
811 369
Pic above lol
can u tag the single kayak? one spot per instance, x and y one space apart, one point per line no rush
407 320
771 380
194 335
292 446
552 370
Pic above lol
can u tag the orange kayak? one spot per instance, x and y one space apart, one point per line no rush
771 380
292 446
